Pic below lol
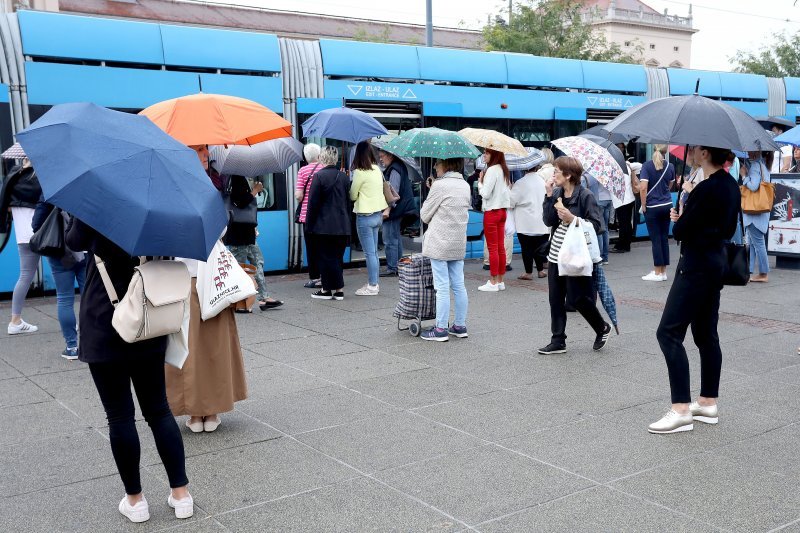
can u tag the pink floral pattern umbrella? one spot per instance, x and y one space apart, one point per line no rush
597 164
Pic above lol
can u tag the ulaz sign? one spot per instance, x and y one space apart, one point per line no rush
379 90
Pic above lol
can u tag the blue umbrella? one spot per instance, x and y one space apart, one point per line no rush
122 175
789 137
343 124
605 294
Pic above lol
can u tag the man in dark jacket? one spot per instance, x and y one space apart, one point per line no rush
396 173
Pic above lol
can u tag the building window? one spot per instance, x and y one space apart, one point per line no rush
627 43
674 48
652 47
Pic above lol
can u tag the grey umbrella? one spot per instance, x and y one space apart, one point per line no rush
693 120
600 131
534 158
263 158
768 122
615 152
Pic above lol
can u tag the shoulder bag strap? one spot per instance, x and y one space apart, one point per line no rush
308 180
112 292
651 189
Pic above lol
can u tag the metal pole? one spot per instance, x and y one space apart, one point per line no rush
510 9
428 22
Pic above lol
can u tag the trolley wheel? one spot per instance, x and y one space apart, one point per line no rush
414 328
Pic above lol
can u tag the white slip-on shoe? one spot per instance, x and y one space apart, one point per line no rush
501 286
195 427
184 508
135 513
489 287
22 327
664 276
209 426
707 414
652 276
672 422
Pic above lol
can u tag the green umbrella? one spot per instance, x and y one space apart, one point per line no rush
431 142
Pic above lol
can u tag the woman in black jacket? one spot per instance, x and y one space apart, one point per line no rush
114 365
566 199
328 223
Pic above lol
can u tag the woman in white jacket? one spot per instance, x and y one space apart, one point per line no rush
527 197
495 189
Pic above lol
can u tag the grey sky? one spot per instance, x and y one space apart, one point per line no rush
725 25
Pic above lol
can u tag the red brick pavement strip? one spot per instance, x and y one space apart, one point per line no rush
735 318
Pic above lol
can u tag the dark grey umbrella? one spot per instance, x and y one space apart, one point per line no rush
768 122
693 120
600 131
615 152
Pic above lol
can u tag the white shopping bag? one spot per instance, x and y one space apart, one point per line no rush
573 257
178 343
591 241
511 227
221 282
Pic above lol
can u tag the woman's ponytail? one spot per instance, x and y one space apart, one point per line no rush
658 156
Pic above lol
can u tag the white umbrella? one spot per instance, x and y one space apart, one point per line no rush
15 152
263 158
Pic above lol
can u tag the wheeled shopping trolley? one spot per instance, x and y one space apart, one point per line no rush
417 295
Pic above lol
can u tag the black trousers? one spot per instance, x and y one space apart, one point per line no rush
529 245
625 222
311 256
579 291
330 255
113 383
693 301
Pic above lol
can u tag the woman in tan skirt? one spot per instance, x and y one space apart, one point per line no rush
212 378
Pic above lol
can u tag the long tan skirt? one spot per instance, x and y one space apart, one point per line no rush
212 378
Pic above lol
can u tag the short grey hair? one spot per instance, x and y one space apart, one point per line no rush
328 156
311 152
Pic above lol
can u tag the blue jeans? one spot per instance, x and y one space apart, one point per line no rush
657 220
447 276
606 207
65 279
393 242
367 227
758 250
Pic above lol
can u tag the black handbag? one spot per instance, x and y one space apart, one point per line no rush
737 267
240 215
299 207
49 239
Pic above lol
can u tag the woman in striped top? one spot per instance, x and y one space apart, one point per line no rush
565 199
305 176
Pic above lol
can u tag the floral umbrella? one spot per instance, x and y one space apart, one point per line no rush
597 163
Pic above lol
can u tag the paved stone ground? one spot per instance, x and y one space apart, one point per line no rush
354 426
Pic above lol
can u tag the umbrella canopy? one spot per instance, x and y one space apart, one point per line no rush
597 163
409 162
605 294
263 158
217 119
130 181
431 142
768 122
15 152
615 152
790 137
513 162
600 131
343 124
494 140
693 120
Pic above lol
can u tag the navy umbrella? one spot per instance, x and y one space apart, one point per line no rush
343 124
600 131
605 294
122 175
693 120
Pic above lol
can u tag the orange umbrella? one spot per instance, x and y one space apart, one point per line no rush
217 119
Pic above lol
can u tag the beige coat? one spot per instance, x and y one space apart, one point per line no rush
446 211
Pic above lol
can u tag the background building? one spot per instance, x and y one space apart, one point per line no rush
665 40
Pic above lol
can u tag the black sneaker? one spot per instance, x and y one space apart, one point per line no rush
338 296
322 295
553 348
508 268
486 267
602 339
388 273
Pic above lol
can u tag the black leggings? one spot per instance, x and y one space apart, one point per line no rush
330 254
530 244
579 292
113 382
693 300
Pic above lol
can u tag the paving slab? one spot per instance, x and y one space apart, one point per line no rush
22 424
298 349
21 391
358 505
280 379
357 366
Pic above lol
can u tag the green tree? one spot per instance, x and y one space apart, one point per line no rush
779 59
554 28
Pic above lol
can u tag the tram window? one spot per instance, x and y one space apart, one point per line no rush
531 132
445 123
273 197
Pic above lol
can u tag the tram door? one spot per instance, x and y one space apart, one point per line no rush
396 118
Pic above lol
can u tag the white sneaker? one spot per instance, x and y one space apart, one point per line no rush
489 287
707 414
135 513
368 290
184 508
652 276
672 422
22 327
501 286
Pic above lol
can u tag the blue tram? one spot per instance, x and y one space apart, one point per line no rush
54 58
